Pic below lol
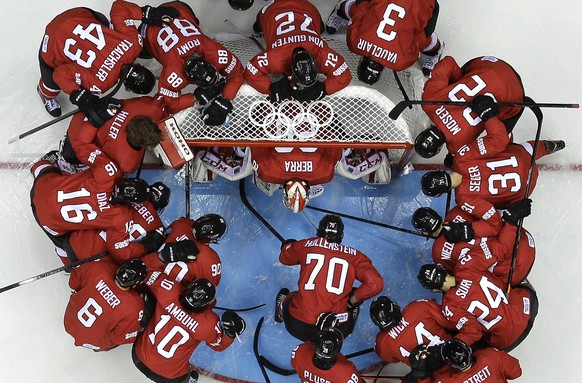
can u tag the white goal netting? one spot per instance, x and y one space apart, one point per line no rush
358 116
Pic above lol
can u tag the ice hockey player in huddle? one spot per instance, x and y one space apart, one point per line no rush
478 307
496 181
462 365
104 310
124 138
325 295
389 35
182 318
421 322
205 230
188 56
322 361
493 253
84 55
146 228
295 50
482 81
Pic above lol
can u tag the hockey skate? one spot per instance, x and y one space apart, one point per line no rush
553 146
429 61
335 21
51 105
281 295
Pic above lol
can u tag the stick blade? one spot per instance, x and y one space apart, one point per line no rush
398 109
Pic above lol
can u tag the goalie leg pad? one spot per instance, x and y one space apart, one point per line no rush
382 175
231 168
201 173
356 164
266 187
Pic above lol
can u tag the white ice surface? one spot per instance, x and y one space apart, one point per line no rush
540 38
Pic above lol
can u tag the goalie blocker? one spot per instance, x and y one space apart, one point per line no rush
173 150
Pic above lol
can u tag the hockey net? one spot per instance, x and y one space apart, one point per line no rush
356 116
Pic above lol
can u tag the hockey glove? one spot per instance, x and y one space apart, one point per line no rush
326 320
517 211
102 111
286 242
182 251
204 95
418 359
313 93
458 232
83 98
153 240
448 161
485 107
233 324
280 90
216 113
148 308
158 15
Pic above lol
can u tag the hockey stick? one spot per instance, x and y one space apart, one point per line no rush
122 75
540 116
240 310
187 188
401 87
245 201
51 272
399 108
256 349
241 32
368 221
383 377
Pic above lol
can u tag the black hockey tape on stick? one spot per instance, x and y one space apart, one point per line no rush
256 349
358 353
240 32
245 201
401 87
368 221
122 77
51 272
240 310
382 377
540 117
399 108
187 188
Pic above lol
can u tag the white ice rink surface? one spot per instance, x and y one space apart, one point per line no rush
539 38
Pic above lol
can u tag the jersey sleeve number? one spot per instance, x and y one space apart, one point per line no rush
74 213
495 297
287 25
388 21
88 314
503 179
94 34
337 268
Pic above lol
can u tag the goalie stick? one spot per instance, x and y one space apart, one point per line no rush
240 310
399 108
122 77
245 201
256 349
51 272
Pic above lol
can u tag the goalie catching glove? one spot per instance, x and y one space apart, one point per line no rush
182 251
215 114
458 232
97 110
158 15
232 324
517 211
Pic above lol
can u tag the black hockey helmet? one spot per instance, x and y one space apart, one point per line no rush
209 228
369 70
200 72
328 345
385 313
303 67
456 353
199 294
131 273
331 228
426 220
429 142
130 190
432 276
241 5
435 183
139 79
159 196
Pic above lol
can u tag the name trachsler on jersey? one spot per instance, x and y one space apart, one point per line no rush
322 242
112 59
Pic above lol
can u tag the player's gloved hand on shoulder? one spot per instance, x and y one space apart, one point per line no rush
313 93
517 211
448 161
419 362
158 15
232 324
205 95
182 251
485 107
458 232
326 320
280 90
153 240
102 111
216 113
148 308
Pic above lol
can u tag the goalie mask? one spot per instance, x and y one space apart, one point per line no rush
429 142
139 80
200 72
130 190
385 313
369 70
331 228
426 220
198 295
435 183
241 5
209 228
131 273
432 276
303 67
296 194
328 345
456 354
159 196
